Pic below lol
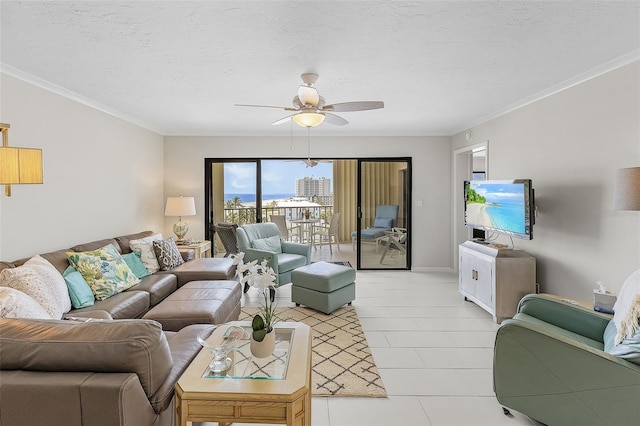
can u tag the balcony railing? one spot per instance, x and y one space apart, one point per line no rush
244 215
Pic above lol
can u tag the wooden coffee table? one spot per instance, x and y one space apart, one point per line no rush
267 390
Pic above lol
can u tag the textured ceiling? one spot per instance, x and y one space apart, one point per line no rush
178 67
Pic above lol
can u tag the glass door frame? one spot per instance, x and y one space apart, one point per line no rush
406 209
208 187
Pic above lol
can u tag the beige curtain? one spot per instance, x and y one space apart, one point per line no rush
380 185
218 201
345 196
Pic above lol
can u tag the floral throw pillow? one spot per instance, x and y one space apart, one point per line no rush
167 254
105 271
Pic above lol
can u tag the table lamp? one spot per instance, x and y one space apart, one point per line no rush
180 206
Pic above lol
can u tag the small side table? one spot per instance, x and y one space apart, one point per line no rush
200 248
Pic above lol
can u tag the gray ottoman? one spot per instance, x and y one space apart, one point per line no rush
198 302
323 286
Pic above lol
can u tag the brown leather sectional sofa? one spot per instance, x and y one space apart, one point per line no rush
104 365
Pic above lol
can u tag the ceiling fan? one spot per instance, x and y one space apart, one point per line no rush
311 110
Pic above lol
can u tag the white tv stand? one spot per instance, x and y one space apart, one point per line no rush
495 278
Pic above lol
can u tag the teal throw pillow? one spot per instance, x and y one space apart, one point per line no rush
79 291
105 271
272 244
135 264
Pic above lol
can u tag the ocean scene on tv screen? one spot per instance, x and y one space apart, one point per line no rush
496 205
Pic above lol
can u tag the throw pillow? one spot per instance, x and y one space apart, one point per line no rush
272 244
383 223
105 271
144 247
167 254
628 349
16 304
79 291
627 308
136 265
41 280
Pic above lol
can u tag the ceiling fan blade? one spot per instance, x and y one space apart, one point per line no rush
267 106
336 120
354 106
282 120
308 95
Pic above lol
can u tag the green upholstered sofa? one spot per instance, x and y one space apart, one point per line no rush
550 364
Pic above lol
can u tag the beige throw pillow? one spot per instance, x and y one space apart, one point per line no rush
144 247
41 280
16 304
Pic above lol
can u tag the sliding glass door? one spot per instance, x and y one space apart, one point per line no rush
383 233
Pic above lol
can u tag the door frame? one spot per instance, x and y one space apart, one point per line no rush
406 208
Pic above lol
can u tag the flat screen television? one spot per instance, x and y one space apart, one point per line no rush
503 206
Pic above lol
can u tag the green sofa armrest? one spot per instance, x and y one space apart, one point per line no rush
574 318
251 254
558 380
297 248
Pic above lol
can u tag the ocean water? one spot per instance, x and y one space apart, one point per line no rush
509 215
251 198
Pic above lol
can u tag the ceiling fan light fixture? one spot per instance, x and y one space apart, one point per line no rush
308 119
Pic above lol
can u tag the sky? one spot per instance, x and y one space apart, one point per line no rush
278 176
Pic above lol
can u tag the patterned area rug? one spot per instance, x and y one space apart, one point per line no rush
341 362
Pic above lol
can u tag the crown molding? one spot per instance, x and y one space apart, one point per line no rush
59 90
618 62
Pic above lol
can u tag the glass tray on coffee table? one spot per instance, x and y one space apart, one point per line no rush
244 365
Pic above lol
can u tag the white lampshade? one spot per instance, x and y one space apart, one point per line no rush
180 206
308 95
626 195
308 119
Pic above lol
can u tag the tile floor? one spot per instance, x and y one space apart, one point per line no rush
433 351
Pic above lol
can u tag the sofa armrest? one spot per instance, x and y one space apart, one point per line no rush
297 248
574 318
118 346
558 380
251 254
74 399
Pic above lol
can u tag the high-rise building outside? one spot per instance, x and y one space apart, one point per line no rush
309 187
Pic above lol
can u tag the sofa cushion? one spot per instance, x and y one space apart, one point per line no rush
144 247
272 244
79 291
16 304
383 222
167 254
40 280
204 268
135 264
125 346
128 304
159 286
105 271
95 245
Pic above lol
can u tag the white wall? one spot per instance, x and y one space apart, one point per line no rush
103 177
184 171
571 144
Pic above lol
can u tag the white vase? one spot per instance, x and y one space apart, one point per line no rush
266 347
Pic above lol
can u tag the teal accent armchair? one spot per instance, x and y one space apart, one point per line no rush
257 242
549 364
